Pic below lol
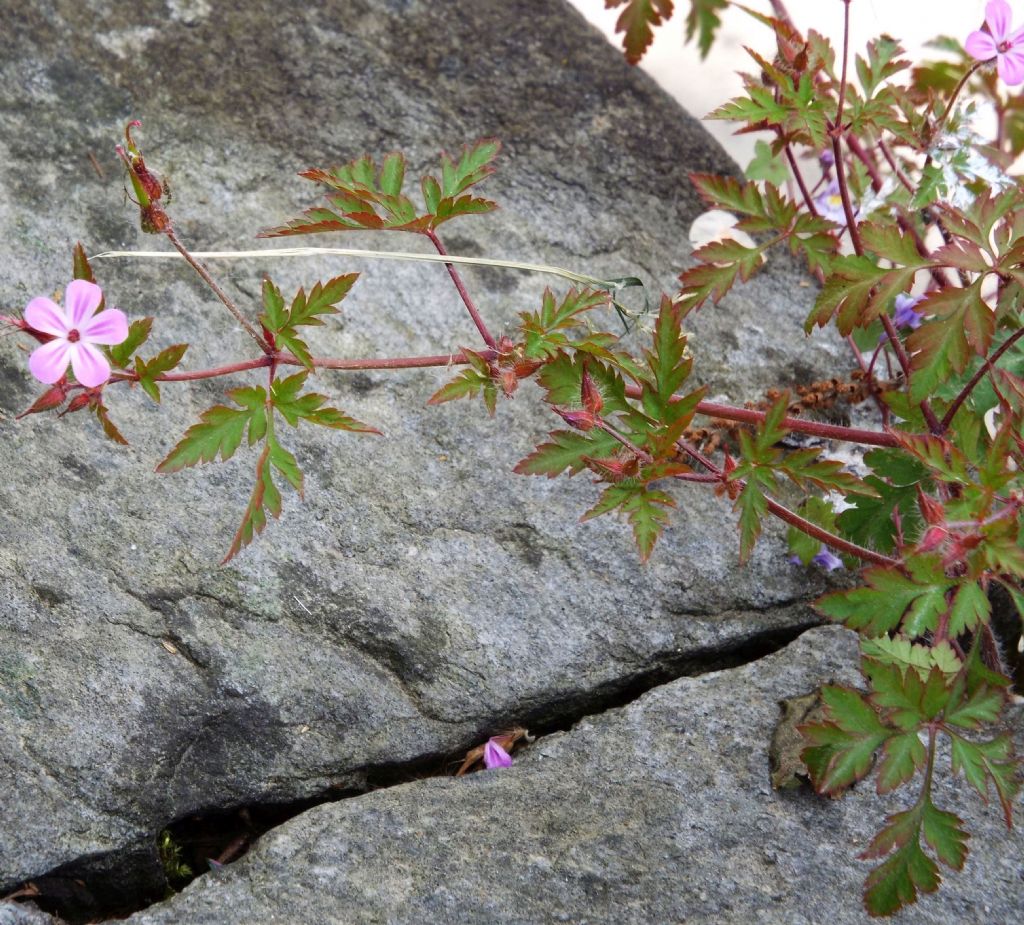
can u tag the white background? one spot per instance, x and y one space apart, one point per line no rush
703 86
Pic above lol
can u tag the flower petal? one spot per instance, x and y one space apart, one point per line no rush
981 46
1011 66
81 299
110 326
49 362
45 315
495 756
998 17
90 366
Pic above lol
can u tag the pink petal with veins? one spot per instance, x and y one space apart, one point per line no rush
1016 37
980 45
1011 66
45 315
81 299
90 366
998 16
110 326
49 362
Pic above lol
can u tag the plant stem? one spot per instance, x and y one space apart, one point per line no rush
830 539
976 378
445 359
470 307
220 293
602 424
799 425
791 517
799 177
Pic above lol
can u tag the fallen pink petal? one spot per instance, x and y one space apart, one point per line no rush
495 756
75 329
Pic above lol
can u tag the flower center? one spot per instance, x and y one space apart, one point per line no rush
1005 46
73 336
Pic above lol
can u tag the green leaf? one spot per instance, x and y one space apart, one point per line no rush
162 363
284 395
904 654
842 751
703 21
363 197
220 431
669 365
971 606
567 449
902 756
80 268
305 310
638 20
753 505
138 332
897 881
544 331
942 345
470 382
109 427
767 165
879 608
985 761
644 508
870 520
265 497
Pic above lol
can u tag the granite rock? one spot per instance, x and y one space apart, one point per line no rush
421 596
658 812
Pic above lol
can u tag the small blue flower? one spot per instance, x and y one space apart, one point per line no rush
904 316
827 560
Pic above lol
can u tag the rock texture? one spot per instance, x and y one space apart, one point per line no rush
422 596
658 812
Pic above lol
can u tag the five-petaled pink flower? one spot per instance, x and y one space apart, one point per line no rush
495 756
74 328
999 42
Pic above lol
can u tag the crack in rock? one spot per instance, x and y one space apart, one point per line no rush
120 882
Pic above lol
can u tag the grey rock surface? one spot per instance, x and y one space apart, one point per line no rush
658 812
422 596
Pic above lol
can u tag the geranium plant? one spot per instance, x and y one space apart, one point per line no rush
911 222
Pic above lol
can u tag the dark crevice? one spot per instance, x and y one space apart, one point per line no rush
114 885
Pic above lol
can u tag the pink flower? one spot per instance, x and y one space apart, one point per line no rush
74 329
495 756
999 42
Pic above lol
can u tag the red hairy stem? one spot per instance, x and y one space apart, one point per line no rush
799 425
444 359
830 539
220 293
463 292
851 220
799 177
602 424
976 378
791 517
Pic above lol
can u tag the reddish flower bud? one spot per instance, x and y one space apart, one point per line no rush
80 401
590 397
526 367
509 381
931 510
933 538
581 420
148 189
51 398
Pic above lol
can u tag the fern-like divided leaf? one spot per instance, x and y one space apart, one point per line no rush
362 195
